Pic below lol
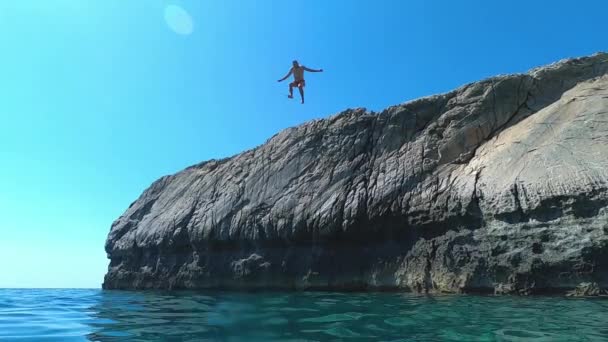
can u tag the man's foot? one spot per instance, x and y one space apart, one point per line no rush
302 101
290 96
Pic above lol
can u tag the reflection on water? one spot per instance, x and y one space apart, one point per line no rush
66 315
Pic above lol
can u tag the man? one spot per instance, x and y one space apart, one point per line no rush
298 78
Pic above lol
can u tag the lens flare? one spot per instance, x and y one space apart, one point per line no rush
179 20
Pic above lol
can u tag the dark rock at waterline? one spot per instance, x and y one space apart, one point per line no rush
587 290
499 186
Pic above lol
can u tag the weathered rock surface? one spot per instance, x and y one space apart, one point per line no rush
499 186
586 290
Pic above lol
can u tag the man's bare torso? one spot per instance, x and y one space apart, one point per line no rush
298 73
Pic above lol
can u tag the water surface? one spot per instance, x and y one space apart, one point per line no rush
95 315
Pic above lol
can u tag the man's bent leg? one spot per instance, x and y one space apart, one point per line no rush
291 91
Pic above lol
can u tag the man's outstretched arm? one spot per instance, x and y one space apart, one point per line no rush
288 74
312 70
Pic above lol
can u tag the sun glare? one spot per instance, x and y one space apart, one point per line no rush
179 20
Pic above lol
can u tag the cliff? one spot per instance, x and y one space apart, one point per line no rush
498 186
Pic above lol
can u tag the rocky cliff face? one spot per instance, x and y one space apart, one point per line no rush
499 186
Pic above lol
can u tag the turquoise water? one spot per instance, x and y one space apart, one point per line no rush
66 315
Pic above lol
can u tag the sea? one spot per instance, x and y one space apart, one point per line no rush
97 315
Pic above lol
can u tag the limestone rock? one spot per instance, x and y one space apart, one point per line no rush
586 290
498 186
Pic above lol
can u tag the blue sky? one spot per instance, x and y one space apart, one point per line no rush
100 98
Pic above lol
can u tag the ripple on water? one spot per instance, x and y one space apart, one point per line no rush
275 321
350 316
340 332
400 321
150 316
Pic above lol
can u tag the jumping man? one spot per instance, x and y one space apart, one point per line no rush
298 78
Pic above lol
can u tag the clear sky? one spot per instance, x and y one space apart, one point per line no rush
100 98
